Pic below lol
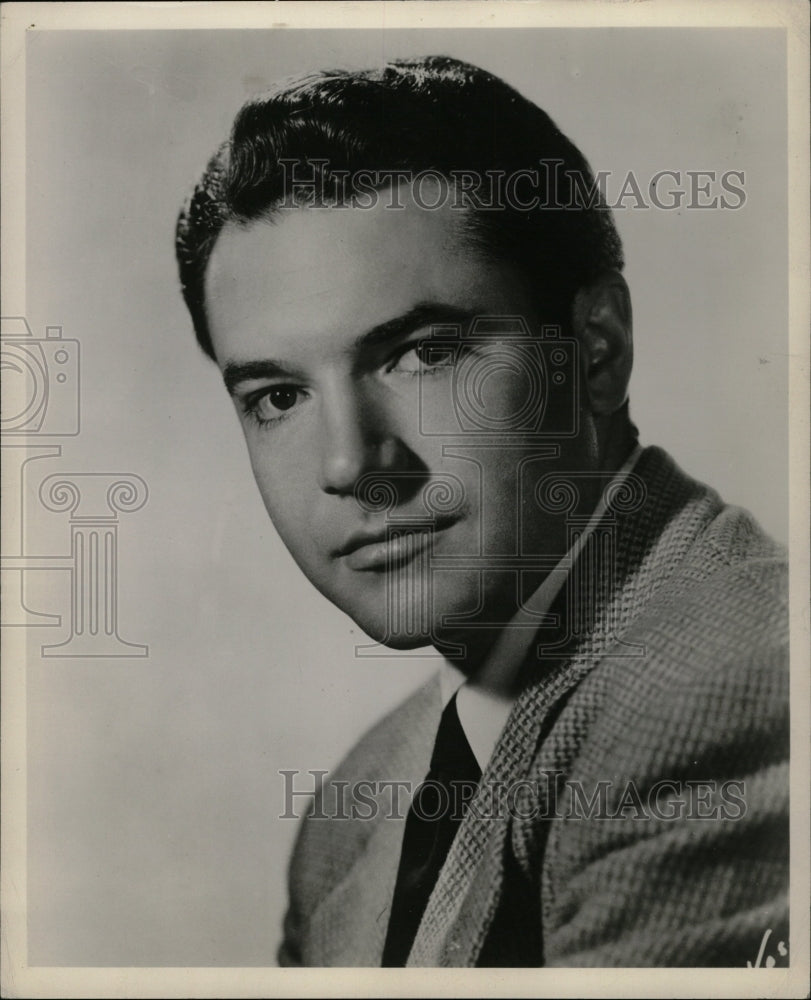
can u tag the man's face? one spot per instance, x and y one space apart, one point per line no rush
317 320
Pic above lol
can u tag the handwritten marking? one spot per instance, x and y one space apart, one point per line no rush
770 962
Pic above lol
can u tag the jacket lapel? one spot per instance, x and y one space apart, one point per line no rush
348 927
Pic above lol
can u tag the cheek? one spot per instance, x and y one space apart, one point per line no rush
282 486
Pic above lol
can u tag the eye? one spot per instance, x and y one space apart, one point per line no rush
423 357
272 403
281 397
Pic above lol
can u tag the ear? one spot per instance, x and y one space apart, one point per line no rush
601 321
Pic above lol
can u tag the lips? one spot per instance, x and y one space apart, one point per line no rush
395 546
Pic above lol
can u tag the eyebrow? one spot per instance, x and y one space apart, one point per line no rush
423 314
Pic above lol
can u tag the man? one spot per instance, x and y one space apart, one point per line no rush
414 294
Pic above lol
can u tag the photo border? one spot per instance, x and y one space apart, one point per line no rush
21 980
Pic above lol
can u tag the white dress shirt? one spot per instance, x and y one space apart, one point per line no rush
483 702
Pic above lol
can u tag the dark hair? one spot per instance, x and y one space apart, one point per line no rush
433 113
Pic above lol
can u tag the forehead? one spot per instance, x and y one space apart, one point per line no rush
340 271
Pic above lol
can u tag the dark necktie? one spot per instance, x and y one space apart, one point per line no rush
437 809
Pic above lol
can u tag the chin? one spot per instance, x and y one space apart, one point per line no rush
405 642
400 627
403 621
379 630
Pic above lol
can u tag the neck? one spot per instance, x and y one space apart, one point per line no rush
616 438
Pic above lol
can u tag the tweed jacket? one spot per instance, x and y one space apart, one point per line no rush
679 682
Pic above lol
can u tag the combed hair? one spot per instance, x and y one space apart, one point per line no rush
433 113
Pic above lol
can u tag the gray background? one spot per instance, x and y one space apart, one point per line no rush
153 784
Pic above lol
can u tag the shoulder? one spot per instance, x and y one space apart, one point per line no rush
683 719
340 821
706 661
695 682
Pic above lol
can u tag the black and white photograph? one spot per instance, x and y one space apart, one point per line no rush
405 499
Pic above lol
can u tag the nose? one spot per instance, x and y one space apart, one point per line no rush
356 439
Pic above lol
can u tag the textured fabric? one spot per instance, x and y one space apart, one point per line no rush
676 672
